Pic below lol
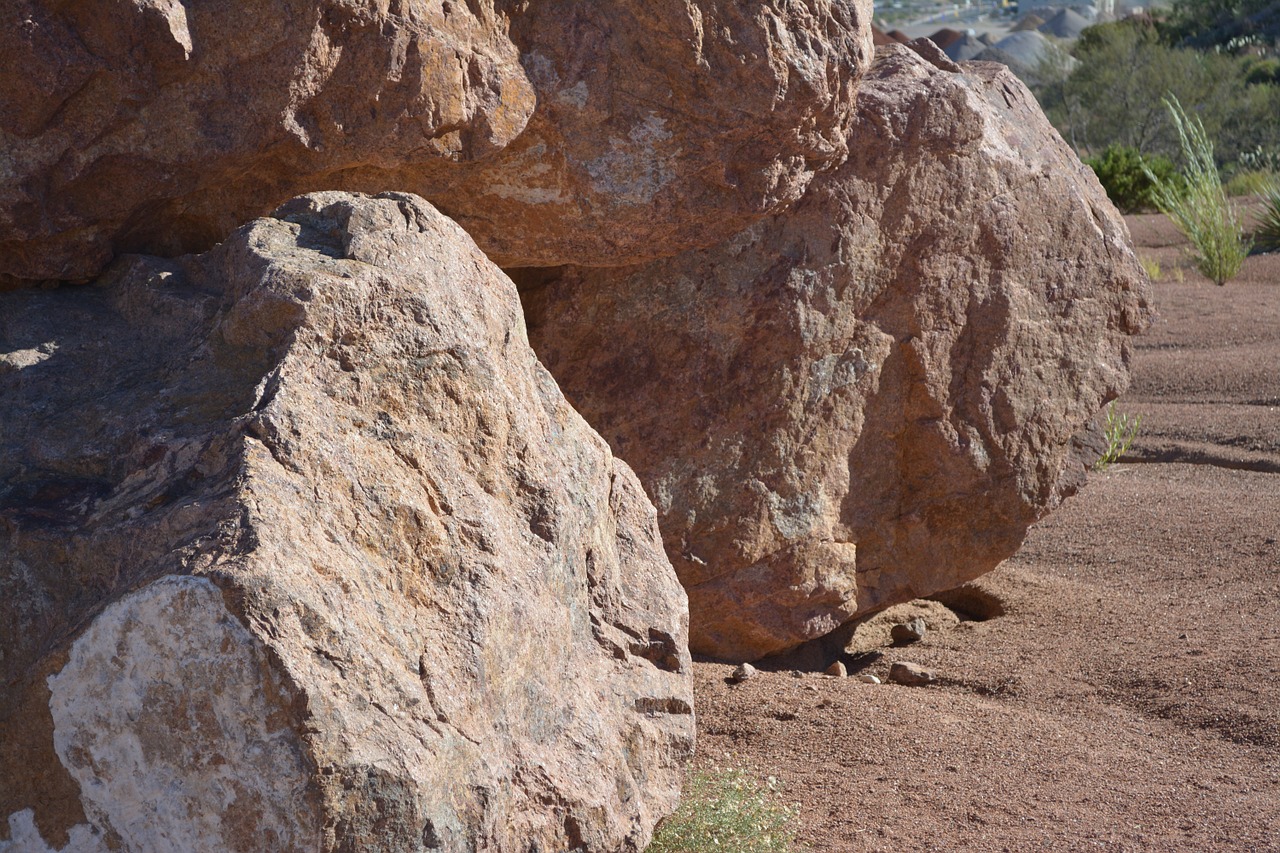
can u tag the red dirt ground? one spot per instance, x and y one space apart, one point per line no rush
1124 691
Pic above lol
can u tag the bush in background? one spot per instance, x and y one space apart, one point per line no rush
1131 179
1112 95
1262 72
1253 182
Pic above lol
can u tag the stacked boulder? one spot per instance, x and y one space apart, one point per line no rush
304 549
659 125
868 397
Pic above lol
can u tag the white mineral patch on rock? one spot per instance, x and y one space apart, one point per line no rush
170 718
24 837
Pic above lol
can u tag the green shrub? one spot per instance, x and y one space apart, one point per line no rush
727 810
1249 182
1120 430
1130 179
1201 210
1268 233
1263 72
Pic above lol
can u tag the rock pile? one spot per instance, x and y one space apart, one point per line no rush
302 548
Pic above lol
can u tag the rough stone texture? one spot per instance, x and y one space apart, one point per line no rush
661 125
301 549
160 126
868 398
911 631
911 674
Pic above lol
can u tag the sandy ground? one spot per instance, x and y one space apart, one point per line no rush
1116 685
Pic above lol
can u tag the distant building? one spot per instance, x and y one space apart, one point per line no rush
1104 10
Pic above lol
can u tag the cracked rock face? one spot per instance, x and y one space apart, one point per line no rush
159 126
302 549
868 398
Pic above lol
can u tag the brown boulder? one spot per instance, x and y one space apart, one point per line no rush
302 549
868 398
661 125
160 125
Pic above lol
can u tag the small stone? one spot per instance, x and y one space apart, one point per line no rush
868 679
911 674
911 631
837 669
742 673
795 673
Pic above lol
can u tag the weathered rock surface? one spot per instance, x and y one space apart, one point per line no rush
661 125
868 398
911 631
301 549
911 674
160 126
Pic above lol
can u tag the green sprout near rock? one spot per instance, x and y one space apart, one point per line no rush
1120 430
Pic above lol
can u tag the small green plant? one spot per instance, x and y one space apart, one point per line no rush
1202 211
729 811
1268 233
1151 267
1120 430
1129 178
1252 182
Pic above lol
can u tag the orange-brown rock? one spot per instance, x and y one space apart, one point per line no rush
870 397
302 549
661 125
159 126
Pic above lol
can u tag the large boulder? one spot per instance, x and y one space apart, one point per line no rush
870 397
160 126
302 549
661 125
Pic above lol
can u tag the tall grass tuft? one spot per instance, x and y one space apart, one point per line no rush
728 811
1268 233
1201 209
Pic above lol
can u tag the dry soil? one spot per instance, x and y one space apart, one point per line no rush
1116 685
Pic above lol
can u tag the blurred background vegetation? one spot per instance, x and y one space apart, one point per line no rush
1219 58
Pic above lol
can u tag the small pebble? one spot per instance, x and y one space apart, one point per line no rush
742 673
910 674
868 679
837 669
911 631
